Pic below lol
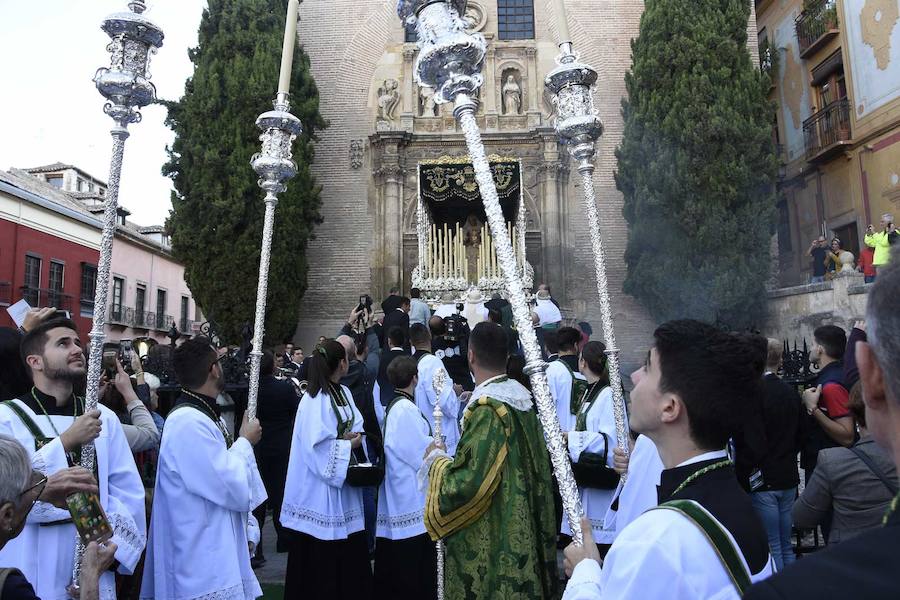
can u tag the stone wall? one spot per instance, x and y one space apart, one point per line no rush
795 312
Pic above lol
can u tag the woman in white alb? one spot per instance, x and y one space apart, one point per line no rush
329 557
595 432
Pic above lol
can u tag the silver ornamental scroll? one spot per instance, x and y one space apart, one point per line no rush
439 381
126 86
450 61
579 127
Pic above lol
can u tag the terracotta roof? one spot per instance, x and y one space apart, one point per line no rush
57 166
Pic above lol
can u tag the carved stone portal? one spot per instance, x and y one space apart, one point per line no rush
512 94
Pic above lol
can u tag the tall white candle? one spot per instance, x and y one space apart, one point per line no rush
287 47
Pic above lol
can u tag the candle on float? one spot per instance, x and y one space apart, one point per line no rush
287 47
562 25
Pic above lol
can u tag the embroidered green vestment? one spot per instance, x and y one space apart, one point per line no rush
493 506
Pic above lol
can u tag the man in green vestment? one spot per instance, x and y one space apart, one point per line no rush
492 503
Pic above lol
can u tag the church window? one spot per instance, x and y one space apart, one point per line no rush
515 19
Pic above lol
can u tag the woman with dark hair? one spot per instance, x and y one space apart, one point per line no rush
593 439
14 379
329 557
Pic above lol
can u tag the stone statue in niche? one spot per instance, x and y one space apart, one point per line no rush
427 105
388 99
512 96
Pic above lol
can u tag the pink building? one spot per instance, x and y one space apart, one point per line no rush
148 294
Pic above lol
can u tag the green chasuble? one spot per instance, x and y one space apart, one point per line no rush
493 506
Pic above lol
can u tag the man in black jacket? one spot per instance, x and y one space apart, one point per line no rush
866 566
774 480
276 408
397 344
398 317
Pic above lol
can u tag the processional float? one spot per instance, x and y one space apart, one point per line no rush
450 61
126 86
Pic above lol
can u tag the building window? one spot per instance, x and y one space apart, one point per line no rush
55 180
32 280
784 227
118 298
140 305
160 308
88 289
515 19
409 33
185 305
55 283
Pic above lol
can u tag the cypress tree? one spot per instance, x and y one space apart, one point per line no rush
696 165
217 216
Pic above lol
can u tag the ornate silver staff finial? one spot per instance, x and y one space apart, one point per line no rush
275 166
126 86
571 84
450 60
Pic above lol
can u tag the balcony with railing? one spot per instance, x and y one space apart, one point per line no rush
162 322
827 131
43 297
816 26
120 315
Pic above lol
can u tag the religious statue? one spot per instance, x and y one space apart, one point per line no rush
512 96
388 99
427 105
472 241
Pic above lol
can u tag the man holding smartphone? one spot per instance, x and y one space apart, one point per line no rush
881 240
50 421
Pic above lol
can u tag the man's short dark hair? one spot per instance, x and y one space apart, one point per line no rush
419 335
401 371
713 372
404 300
396 337
415 293
394 291
551 341
35 340
833 339
494 316
192 360
437 326
883 323
488 342
267 363
567 338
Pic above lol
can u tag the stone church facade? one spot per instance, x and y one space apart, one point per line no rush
382 126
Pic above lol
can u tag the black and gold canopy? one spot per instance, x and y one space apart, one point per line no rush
448 188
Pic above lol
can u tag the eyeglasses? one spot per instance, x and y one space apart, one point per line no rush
217 361
39 485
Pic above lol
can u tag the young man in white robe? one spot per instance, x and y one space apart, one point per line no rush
687 399
562 374
405 559
206 487
51 423
426 397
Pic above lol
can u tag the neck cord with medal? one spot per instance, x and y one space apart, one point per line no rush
339 405
203 407
72 456
891 510
718 465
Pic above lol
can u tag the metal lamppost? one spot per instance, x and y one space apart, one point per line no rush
126 86
275 167
579 127
450 61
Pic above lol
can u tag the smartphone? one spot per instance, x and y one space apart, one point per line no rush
109 362
125 350
89 518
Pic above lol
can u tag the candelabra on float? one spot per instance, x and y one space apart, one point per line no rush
579 127
274 166
450 61
440 379
126 86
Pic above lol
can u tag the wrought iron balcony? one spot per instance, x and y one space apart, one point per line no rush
5 293
816 26
120 315
827 131
43 297
162 322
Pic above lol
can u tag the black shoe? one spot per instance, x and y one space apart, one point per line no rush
257 562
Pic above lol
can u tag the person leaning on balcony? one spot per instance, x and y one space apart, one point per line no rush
882 240
833 259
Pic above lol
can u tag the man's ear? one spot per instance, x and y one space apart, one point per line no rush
671 408
871 376
35 362
7 517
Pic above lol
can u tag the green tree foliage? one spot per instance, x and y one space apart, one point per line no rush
697 165
217 217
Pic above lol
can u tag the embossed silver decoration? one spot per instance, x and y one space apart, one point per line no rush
356 154
579 127
126 86
275 166
440 379
450 60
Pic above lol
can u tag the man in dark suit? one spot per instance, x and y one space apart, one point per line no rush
397 341
276 408
392 301
399 317
865 566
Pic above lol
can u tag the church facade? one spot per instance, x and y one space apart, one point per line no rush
383 128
